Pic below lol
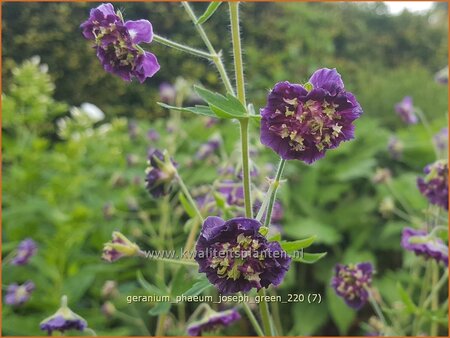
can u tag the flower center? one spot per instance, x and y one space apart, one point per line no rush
239 259
311 121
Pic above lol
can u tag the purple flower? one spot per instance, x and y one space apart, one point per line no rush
64 319
395 148
212 321
303 121
160 173
208 148
442 76
440 139
25 250
18 294
405 110
153 135
167 93
422 244
435 184
119 247
233 192
236 257
352 282
117 43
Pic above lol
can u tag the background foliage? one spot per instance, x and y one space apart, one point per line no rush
68 186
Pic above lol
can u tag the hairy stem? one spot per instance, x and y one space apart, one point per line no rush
246 168
237 51
181 47
253 320
265 314
273 195
216 57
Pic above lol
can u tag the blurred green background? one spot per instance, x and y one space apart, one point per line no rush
69 184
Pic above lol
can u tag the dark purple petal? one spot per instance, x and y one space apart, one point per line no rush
328 79
146 66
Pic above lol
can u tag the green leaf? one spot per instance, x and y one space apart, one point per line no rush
290 246
198 109
179 283
160 308
341 314
227 107
149 287
198 288
186 205
208 13
275 238
309 258
406 299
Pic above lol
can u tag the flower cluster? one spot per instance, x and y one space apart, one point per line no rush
423 244
64 319
236 257
304 121
435 184
117 42
352 283
405 110
213 321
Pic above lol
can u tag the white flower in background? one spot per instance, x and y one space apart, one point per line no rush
92 111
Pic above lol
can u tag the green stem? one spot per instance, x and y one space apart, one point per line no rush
276 316
276 184
181 47
172 261
193 232
436 289
216 58
434 297
160 325
237 51
189 197
378 311
246 168
253 320
265 315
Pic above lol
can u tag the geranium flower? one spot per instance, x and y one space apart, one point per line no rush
25 250
236 257
212 321
351 282
405 110
18 294
303 121
435 184
422 244
117 43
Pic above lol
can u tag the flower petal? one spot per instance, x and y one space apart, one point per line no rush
328 79
140 30
146 66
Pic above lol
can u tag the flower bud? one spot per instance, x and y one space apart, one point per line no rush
119 247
